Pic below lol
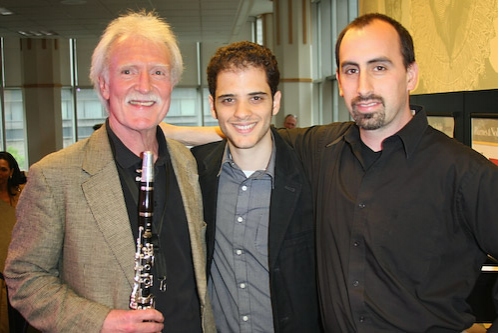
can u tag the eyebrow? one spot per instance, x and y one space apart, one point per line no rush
139 64
257 93
250 94
381 59
225 95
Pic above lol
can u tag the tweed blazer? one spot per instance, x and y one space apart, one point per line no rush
72 256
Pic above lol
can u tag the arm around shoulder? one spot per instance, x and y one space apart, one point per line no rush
192 135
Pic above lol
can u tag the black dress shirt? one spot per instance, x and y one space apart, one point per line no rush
402 234
179 304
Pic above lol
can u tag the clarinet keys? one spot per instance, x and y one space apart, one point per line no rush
142 297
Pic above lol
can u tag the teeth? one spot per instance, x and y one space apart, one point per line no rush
142 103
245 127
367 104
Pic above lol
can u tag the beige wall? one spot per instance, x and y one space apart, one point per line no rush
455 41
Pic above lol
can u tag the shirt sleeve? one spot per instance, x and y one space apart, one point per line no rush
479 204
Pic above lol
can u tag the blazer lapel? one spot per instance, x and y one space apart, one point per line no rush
184 167
285 195
208 179
102 188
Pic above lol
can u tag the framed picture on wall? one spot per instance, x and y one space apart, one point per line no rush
444 124
484 134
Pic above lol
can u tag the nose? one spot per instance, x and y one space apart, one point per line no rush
144 82
365 87
243 110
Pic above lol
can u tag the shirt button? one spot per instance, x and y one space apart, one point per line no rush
356 244
239 252
362 205
244 187
245 318
242 285
362 319
355 283
239 219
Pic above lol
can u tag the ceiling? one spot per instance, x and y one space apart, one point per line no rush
191 20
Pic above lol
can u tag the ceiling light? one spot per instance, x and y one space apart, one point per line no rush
74 2
41 33
5 11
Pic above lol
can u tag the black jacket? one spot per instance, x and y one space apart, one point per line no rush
291 235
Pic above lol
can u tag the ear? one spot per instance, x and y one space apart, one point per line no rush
276 104
338 78
412 76
212 107
104 88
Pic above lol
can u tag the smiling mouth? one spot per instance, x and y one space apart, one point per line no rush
244 127
142 103
367 104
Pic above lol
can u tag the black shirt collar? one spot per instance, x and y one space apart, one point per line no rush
126 158
410 134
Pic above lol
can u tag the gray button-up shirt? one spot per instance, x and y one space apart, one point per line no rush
239 285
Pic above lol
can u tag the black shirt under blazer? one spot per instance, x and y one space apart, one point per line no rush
291 235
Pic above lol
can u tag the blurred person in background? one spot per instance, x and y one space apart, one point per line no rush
290 121
12 181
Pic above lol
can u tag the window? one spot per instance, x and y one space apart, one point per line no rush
89 111
184 107
208 119
15 126
259 30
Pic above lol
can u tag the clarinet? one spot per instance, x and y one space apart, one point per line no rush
142 297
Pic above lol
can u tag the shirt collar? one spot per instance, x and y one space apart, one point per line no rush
126 158
410 134
413 131
269 170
